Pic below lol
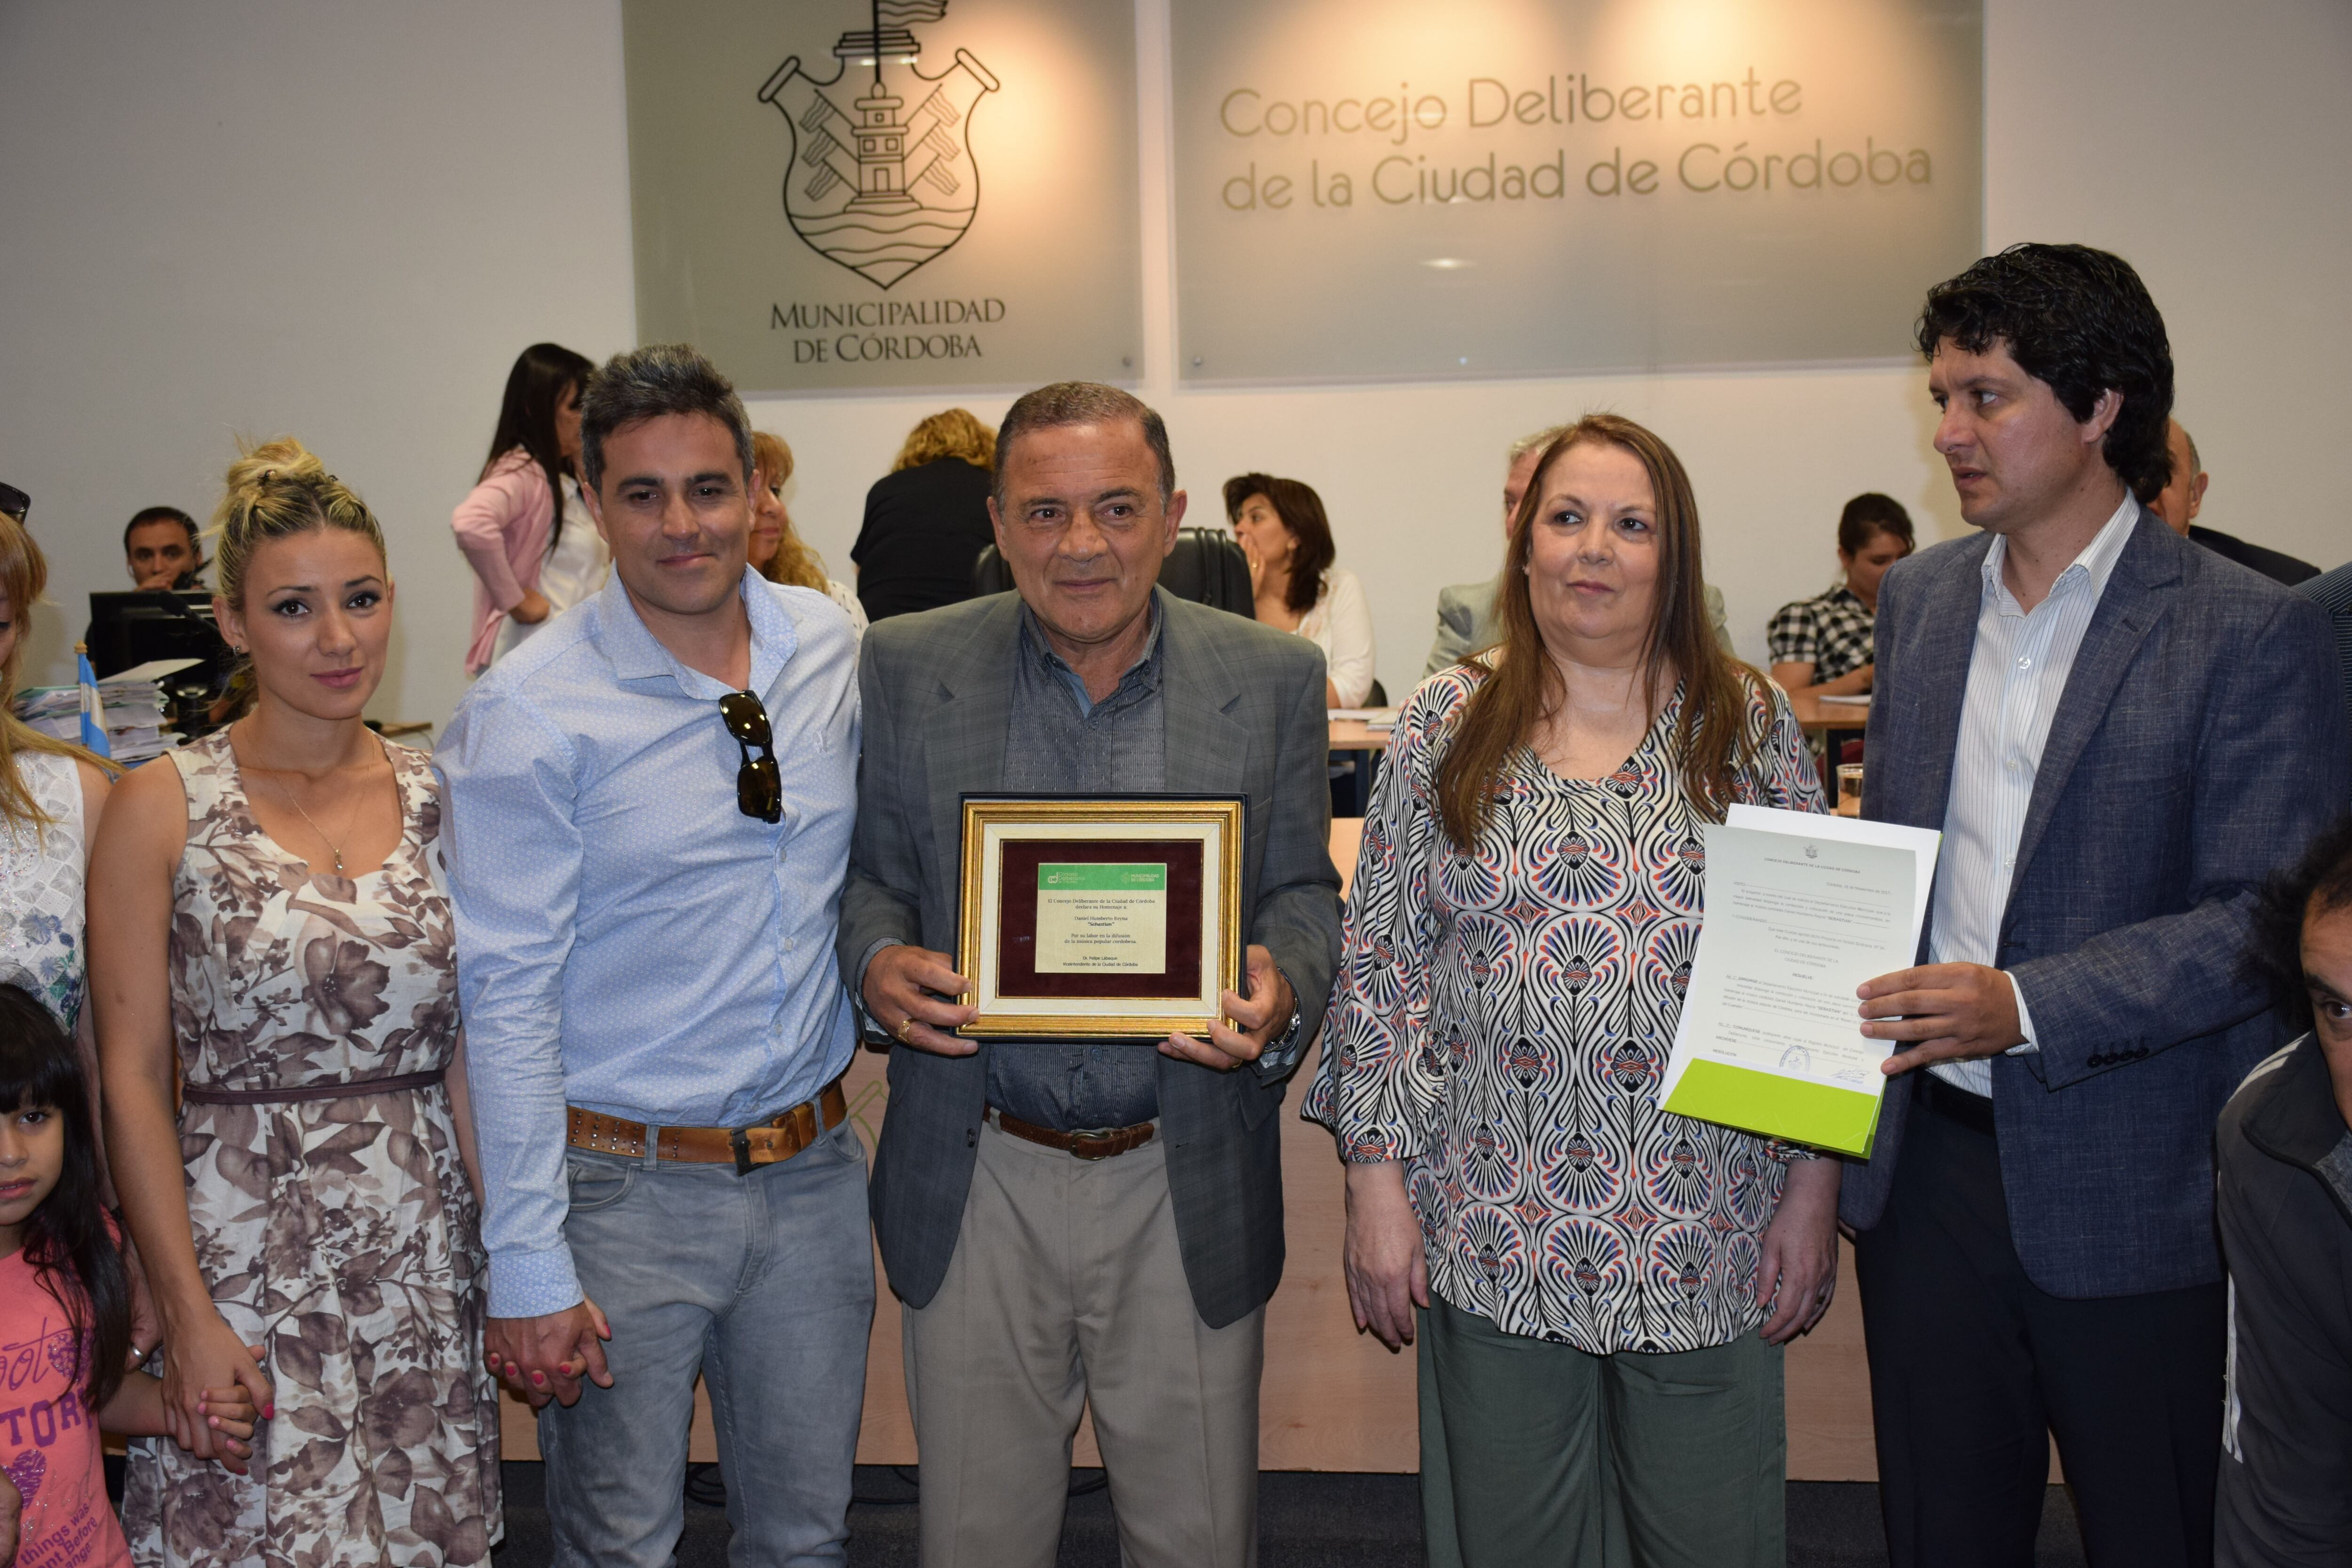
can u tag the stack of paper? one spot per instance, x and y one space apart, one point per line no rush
1801 909
133 703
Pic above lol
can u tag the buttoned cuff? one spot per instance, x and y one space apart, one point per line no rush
2030 1046
534 1284
870 1028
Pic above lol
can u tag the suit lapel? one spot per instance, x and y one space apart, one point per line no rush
2131 604
1946 640
1208 749
963 750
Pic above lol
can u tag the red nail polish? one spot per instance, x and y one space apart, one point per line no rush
269 1412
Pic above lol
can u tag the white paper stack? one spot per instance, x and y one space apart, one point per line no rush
133 703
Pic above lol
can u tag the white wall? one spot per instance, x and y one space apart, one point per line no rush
343 220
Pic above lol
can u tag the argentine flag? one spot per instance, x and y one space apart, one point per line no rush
93 711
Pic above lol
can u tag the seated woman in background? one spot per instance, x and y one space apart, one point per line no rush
1823 644
926 519
1300 588
522 527
778 553
1600 1287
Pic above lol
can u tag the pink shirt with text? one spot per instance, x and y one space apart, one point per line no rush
48 1443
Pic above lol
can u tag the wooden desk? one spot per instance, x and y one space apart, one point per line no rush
1355 739
1819 717
1332 1399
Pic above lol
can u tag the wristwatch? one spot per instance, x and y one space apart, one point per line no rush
1280 1048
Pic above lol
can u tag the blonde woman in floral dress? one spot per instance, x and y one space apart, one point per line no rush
271 901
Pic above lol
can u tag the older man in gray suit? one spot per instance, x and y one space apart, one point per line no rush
2119 736
1093 1224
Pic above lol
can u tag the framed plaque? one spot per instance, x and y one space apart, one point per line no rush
1114 917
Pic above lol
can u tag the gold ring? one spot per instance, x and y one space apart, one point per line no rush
905 1024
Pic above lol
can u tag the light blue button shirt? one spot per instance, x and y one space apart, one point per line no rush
628 941
2017 673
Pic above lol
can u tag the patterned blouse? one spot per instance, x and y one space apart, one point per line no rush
1830 631
1501 1021
40 888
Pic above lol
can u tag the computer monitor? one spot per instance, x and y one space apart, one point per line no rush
129 630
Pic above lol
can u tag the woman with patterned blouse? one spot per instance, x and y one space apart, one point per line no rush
1587 1273
1823 644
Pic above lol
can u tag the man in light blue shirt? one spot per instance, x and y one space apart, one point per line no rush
650 807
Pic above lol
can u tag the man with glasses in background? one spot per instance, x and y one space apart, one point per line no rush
649 809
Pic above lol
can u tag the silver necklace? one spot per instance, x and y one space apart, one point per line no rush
313 821
336 848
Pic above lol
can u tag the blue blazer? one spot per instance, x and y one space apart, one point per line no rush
2200 743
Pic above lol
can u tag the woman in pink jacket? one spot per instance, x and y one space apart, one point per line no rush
522 527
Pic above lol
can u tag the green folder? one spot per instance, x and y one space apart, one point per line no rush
1784 1108
1797 903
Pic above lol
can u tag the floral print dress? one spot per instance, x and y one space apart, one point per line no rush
342 1233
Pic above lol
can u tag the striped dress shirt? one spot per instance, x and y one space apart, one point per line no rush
2017 673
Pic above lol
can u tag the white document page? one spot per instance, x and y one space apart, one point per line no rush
1786 943
1102 919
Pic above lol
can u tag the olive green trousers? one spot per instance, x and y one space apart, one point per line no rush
1536 1454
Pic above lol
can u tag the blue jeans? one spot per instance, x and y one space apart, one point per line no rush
762 1283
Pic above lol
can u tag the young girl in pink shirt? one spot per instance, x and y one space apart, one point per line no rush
65 1313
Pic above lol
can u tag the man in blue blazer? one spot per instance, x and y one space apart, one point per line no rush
2119 736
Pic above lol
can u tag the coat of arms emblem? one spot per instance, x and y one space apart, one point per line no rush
883 182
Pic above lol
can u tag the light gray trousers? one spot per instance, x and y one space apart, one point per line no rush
1067 1291
764 1285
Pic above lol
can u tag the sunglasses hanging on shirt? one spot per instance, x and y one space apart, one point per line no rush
759 787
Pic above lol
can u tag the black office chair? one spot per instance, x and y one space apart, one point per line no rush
1207 566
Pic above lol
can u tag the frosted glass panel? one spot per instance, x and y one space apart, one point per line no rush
829 197
1373 188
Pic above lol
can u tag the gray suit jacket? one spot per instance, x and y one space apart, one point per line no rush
1245 716
1466 622
2200 743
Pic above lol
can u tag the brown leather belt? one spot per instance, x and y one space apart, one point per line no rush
1079 1145
770 1143
352 1089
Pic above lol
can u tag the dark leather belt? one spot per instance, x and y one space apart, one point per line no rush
770 1143
1079 1145
1973 1111
211 1094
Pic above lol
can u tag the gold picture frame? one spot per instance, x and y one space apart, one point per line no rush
1152 878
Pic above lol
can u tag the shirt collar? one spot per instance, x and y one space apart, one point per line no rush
637 655
2093 567
1143 674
